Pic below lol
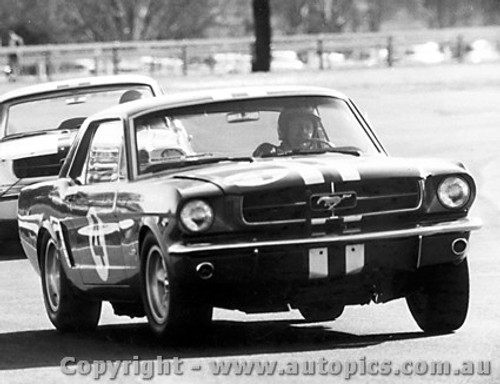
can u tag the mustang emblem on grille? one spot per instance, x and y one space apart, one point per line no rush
330 202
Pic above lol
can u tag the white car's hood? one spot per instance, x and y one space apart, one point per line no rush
45 143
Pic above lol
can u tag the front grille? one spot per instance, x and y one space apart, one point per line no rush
372 197
380 196
281 205
38 166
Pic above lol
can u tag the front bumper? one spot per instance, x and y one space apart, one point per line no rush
355 265
461 225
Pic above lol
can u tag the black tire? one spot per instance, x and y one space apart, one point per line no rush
67 311
169 311
315 312
442 302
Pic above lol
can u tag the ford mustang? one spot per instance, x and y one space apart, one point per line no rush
259 200
38 124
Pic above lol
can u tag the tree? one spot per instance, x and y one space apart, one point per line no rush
491 10
262 26
125 20
31 19
67 21
332 16
375 14
451 13
314 16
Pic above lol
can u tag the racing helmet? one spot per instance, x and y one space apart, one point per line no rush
288 115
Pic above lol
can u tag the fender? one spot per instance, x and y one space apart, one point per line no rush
159 227
53 227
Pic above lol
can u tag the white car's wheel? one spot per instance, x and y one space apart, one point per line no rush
66 310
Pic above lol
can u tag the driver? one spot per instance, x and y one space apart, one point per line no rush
297 129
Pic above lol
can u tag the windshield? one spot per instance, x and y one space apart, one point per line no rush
267 127
66 109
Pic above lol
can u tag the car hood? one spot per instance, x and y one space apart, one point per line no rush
40 144
235 178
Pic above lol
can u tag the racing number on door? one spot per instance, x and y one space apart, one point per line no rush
97 243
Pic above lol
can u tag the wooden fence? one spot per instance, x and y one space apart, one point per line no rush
183 56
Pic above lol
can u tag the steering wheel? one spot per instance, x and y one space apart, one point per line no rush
265 150
172 152
318 143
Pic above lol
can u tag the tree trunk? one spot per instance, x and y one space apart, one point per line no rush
261 61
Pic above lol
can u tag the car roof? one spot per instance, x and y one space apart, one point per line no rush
76 83
182 99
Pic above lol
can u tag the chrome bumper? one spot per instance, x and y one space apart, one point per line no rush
461 225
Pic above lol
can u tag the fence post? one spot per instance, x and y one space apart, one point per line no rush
48 64
390 51
184 60
116 59
319 51
252 55
97 56
460 48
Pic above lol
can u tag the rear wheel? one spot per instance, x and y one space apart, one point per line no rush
321 311
67 311
441 303
168 310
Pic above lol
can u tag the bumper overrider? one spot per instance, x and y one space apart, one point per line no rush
319 258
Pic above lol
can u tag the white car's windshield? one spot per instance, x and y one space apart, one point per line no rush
267 127
64 109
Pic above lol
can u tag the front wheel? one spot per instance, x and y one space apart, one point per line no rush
441 303
67 311
167 308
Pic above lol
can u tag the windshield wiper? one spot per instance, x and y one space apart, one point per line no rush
353 151
208 159
186 161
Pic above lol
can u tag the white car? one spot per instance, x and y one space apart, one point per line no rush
286 60
38 124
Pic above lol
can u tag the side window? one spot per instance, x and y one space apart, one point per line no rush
105 158
159 140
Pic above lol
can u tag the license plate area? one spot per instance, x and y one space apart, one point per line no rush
318 263
324 262
346 259
354 258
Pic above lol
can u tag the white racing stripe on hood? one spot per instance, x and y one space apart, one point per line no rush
346 171
257 178
309 173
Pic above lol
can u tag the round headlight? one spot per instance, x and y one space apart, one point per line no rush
197 216
453 192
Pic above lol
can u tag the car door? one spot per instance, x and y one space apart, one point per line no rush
91 224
